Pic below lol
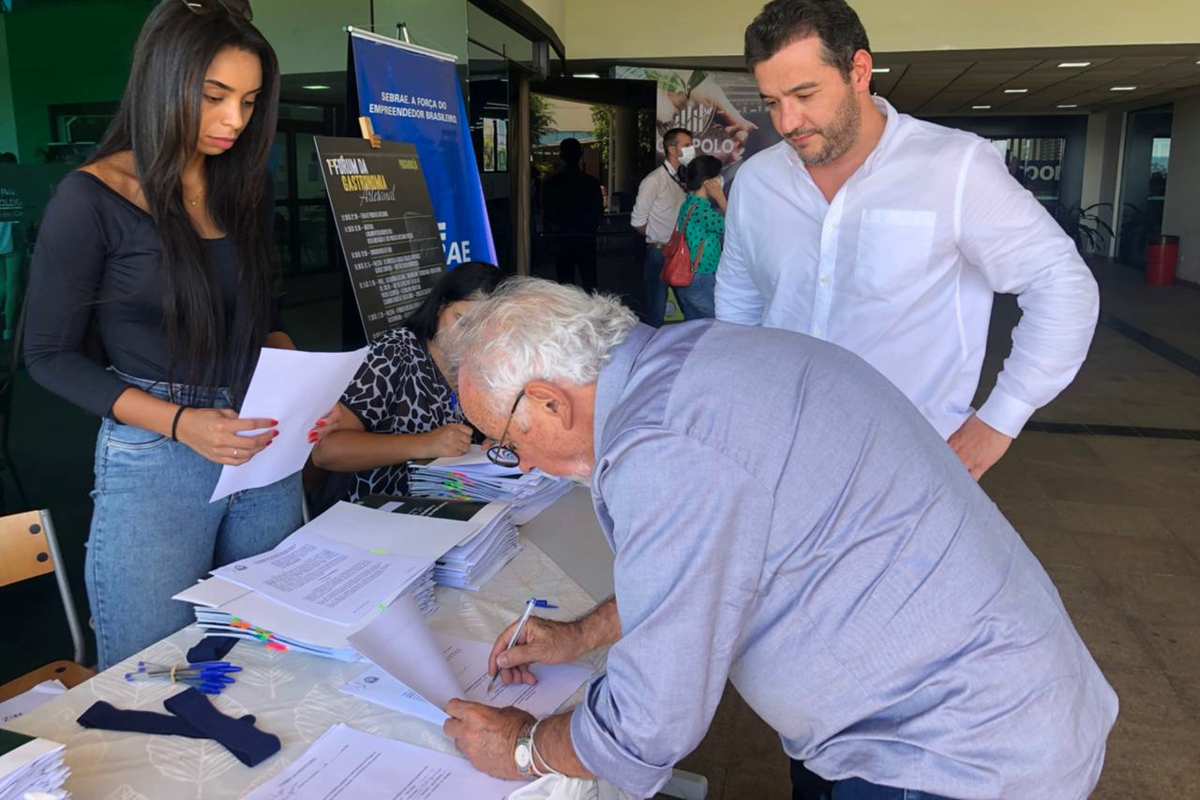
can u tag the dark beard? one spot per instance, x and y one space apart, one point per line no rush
840 135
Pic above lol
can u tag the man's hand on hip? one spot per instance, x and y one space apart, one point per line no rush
978 445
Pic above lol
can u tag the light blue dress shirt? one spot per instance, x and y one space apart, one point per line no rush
782 517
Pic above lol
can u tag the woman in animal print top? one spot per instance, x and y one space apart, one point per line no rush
400 405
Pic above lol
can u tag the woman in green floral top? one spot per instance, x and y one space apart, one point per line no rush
705 232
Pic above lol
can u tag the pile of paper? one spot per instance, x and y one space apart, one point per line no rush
327 580
31 767
226 609
490 539
473 477
489 536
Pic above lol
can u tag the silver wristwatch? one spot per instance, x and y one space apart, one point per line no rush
523 755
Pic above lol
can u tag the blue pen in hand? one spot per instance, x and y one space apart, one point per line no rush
530 605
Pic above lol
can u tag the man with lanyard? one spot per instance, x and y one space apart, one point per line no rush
659 198
889 236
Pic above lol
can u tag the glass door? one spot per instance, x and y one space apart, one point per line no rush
1143 182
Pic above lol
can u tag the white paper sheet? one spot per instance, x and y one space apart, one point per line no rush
297 389
346 564
265 613
25 702
384 533
346 763
400 642
475 456
326 579
468 661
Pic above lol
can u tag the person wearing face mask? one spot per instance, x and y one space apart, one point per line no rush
161 245
702 222
889 236
659 198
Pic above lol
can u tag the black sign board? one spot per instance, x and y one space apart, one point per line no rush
386 226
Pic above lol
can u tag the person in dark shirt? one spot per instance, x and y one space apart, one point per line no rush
573 206
400 407
158 250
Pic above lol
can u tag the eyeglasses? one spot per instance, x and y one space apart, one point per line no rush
505 455
236 8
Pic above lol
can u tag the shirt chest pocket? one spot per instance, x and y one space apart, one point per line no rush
894 250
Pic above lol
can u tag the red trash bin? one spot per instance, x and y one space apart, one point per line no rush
1162 256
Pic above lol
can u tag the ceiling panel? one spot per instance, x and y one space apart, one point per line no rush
938 83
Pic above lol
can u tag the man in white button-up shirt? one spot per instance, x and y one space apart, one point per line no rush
889 236
659 199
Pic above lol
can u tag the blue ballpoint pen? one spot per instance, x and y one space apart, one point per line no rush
530 605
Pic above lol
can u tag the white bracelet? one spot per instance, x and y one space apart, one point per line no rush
537 755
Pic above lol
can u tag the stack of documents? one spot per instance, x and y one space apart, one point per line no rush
327 580
31 768
489 536
473 477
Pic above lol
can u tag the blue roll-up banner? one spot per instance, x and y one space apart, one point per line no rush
413 95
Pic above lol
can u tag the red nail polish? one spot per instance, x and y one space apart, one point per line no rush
321 423
274 423
274 434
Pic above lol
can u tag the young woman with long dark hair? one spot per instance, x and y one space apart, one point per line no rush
157 252
400 407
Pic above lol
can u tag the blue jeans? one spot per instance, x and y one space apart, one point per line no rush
154 533
807 785
654 291
698 301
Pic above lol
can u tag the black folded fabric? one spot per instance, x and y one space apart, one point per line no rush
211 648
106 717
250 745
192 715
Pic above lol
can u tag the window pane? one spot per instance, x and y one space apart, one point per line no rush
1037 165
314 239
309 185
281 235
277 164
494 34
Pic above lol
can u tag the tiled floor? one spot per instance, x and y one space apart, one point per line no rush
1116 522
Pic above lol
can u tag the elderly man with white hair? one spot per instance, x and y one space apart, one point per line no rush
782 517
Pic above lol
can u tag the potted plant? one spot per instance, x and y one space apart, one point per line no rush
1086 227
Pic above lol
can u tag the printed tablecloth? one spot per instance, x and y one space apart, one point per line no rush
296 697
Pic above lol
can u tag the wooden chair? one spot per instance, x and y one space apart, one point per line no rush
28 549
